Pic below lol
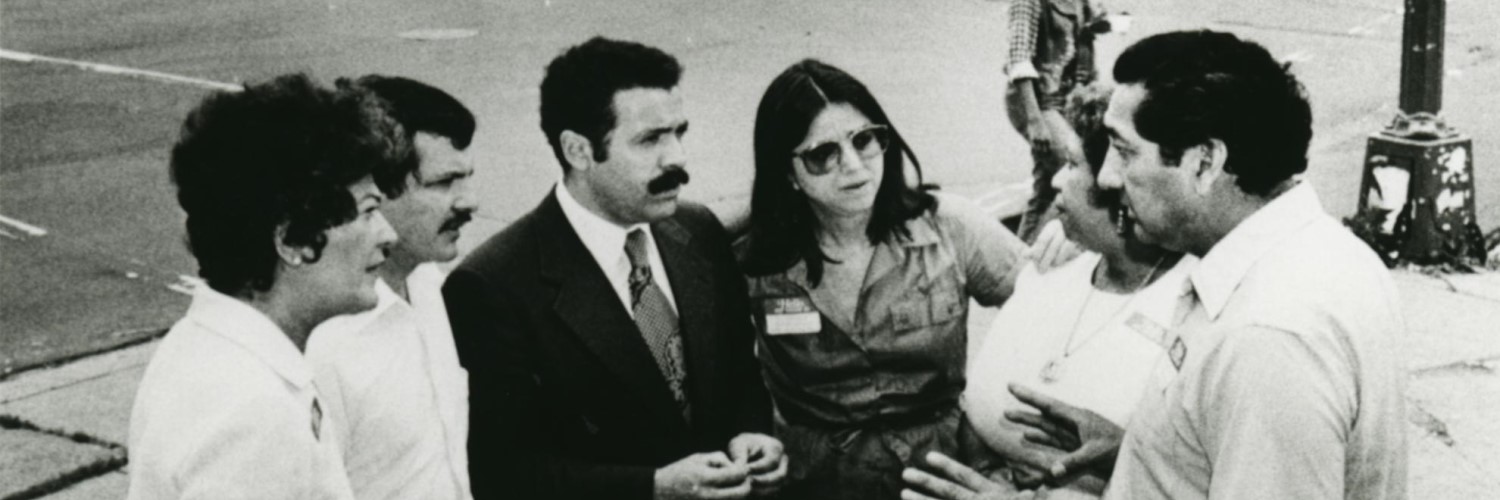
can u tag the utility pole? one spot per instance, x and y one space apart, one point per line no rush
1418 185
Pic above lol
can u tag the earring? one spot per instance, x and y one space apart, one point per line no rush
296 260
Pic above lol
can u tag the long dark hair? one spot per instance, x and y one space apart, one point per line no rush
782 225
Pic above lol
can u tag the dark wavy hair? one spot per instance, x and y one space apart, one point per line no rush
1207 84
579 89
281 153
782 225
417 107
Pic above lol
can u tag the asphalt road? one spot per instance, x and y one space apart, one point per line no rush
83 154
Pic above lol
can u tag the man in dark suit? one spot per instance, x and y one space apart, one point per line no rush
607 333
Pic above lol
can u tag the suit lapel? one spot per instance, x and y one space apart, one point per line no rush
693 292
587 303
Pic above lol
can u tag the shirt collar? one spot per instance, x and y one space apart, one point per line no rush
1220 271
922 231
425 287
604 239
251 329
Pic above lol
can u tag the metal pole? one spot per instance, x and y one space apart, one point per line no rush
1417 194
1422 57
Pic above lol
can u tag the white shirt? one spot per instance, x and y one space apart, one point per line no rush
396 393
1111 358
1288 382
606 243
226 411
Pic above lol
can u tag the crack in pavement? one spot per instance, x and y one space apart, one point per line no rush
115 460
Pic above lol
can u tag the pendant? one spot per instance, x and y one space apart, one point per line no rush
1051 371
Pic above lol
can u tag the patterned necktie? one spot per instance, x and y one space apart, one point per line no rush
655 318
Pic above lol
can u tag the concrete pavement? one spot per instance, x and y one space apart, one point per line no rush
1452 351
84 156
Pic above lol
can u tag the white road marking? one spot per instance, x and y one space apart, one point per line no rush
24 227
118 70
1300 56
185 284
1369 27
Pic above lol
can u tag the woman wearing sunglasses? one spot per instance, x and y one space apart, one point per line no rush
861 283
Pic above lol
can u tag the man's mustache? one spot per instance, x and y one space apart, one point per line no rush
457 221
667 181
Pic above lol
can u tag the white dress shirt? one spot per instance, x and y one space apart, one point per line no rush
1285 382
226 410
397 394
606 243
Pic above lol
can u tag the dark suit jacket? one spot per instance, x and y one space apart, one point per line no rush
565 398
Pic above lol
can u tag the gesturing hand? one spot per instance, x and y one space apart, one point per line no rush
1094 441
762 455
961 483
702 476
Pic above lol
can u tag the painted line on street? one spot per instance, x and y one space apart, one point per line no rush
23 227
1299 57
186 284
1369 27
118 70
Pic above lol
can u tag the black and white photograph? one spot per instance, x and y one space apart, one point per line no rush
754 249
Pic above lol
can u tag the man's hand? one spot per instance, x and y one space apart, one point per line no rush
702 476
1093 439
961 483
1052 248
1039 135
762 455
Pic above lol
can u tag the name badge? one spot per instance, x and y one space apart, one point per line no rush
791 316
1148 328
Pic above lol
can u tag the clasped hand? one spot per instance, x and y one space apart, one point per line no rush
755 465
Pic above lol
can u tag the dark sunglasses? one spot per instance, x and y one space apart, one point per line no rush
868 142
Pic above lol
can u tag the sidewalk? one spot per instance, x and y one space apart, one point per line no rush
62 430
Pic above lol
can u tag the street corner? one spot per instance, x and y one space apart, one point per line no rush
1454 384
91 397
36 461
1450 318
1455 439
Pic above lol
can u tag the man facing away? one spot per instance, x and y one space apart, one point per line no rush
607 333
1287 383
391 376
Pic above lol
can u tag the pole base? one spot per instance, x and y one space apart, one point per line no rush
1417 201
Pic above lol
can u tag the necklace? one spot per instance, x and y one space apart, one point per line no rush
1052 371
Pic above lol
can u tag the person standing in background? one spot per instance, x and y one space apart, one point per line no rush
1051 53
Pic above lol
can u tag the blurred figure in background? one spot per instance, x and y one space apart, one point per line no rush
1051 53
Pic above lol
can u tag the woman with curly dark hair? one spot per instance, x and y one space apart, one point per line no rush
279 184
861 284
